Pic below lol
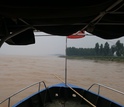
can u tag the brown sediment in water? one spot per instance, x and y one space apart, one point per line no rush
17 72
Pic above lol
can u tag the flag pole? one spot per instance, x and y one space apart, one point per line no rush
66 62
76 35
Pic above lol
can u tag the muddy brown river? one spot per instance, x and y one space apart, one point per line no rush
17 72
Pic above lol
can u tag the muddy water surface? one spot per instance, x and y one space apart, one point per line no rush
17 72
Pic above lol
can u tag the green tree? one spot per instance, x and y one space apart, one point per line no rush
113 49
97 48
101 51
119 48
106 49
71 51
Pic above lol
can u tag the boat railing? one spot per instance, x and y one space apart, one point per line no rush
109 88
37 83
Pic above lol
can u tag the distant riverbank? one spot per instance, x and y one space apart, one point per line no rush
104 58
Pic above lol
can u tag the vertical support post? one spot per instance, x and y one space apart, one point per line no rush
98 89
66 63
9 102
39 87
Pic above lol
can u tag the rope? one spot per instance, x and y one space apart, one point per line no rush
75 91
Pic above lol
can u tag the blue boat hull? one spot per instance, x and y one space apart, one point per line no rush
60 95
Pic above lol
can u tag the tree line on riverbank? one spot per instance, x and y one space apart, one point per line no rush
99 50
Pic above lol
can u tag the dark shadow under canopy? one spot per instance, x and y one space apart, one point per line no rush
18 20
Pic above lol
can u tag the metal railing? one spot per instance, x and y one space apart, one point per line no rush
101 85
9 98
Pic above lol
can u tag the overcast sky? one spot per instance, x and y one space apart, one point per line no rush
49 45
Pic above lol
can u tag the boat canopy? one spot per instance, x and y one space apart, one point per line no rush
19 20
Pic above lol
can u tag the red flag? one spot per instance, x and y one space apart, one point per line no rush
79 34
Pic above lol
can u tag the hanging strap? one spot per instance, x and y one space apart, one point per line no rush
99 17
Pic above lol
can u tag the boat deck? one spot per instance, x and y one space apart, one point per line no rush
61 103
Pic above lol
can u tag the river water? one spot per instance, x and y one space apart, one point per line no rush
17 72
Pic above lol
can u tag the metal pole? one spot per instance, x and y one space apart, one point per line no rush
9 102
39 87
66 62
